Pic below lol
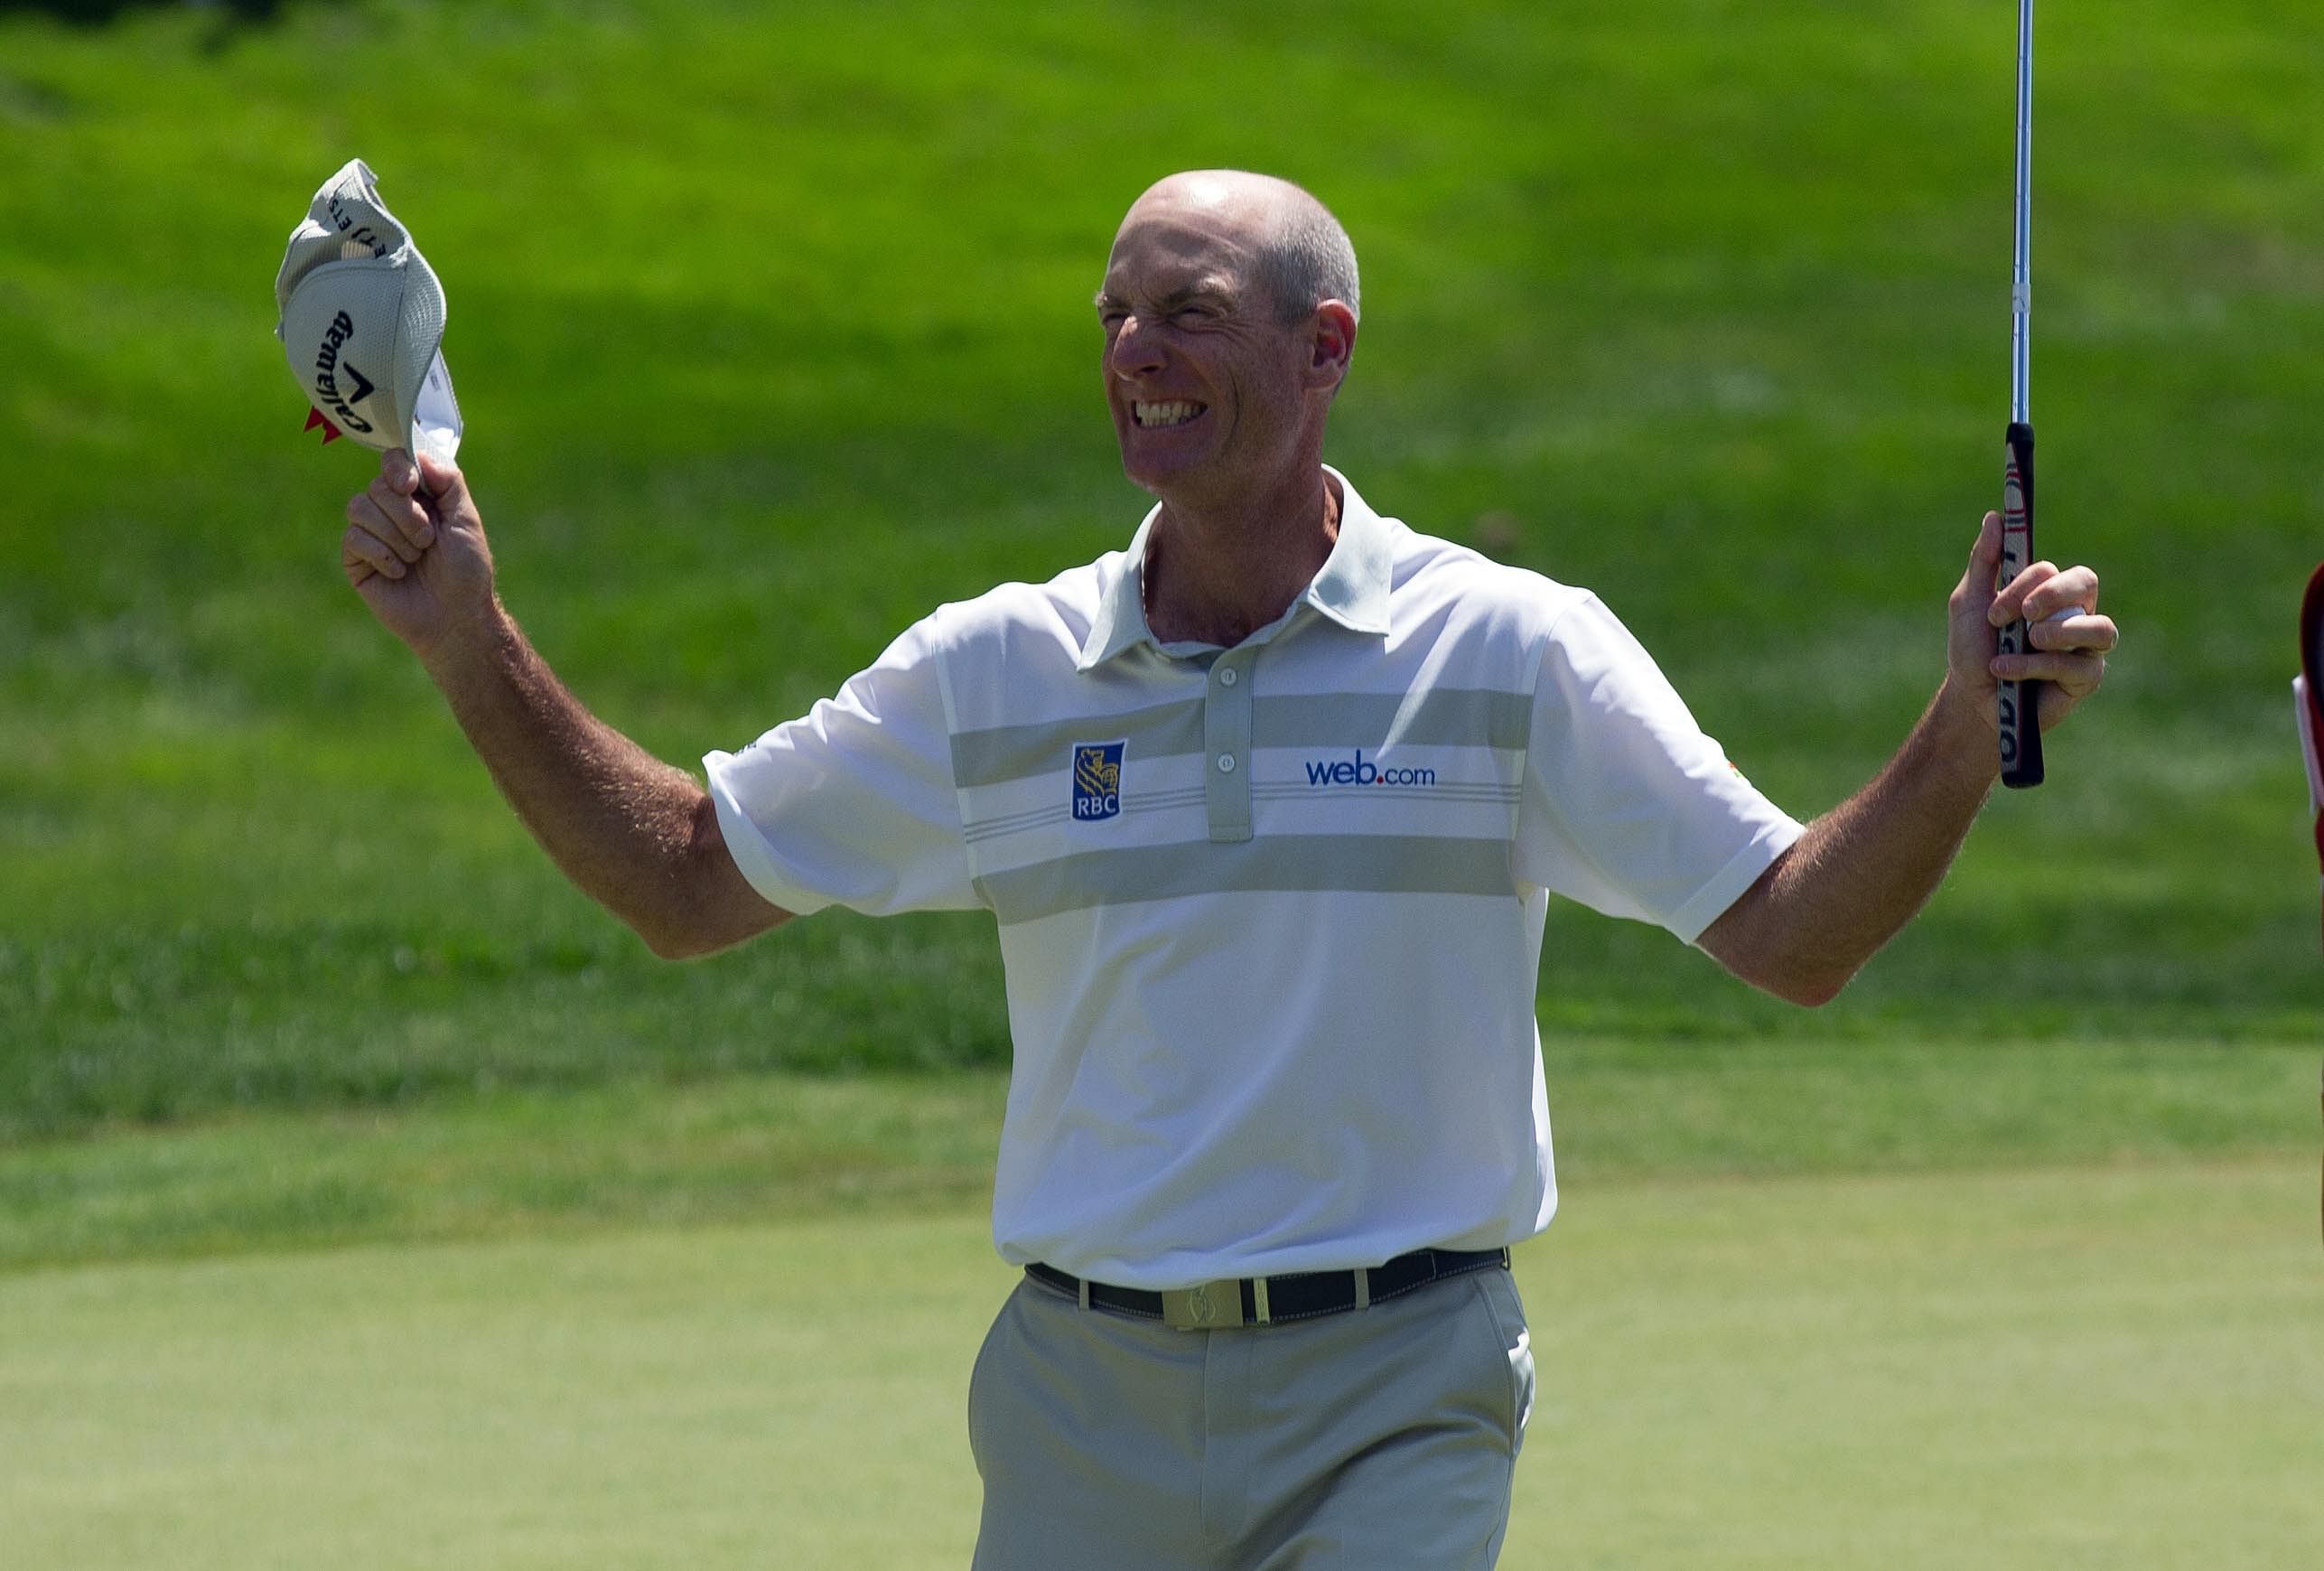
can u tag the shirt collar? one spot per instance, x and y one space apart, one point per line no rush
1351 588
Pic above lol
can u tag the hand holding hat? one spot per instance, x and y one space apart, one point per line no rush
361 324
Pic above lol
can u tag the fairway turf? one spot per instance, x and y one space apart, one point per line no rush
760 1148
2018 1371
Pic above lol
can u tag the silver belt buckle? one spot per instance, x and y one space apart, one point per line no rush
1207 1306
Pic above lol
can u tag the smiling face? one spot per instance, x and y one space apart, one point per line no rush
1212 395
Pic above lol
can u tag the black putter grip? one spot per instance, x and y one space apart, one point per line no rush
2020 730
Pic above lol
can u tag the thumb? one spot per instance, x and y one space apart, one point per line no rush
443 481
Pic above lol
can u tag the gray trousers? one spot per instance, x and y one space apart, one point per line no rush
1381 1437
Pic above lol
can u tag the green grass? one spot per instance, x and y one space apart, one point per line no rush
772 331
503 1166
2014 1371
515 1163
1998 1370
366 1197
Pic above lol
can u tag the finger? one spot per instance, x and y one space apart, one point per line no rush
2075 587
397 470
404 516
2077 674
364 512
1984 560
2071 632
360 547
2009 603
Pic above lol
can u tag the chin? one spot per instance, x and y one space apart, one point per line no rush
1171 461
1149 474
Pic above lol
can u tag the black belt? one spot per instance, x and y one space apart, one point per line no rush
1266 1300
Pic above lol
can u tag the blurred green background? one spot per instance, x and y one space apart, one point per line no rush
771 327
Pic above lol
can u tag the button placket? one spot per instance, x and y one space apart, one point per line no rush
1227 739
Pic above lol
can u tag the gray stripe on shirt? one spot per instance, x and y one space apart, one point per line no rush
1007 752
1308 864
1437 718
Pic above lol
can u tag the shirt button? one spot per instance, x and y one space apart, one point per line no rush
1225 763
1226 677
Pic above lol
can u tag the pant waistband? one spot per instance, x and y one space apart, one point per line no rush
1236 1301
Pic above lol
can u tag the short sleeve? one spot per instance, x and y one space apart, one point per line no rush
1627 806
854 803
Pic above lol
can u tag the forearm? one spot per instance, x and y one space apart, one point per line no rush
1863 869
624 825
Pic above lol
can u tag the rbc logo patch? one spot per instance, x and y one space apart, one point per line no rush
1097 780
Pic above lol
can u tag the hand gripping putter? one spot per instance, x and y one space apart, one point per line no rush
2020 701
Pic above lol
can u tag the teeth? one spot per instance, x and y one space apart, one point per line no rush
1174 413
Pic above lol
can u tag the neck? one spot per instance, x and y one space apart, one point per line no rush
1216 573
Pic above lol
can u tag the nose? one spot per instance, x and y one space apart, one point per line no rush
1136 352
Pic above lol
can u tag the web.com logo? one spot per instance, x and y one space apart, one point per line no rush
1362 771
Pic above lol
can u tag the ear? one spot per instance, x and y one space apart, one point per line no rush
1331 343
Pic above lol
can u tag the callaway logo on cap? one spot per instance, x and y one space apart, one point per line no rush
362 322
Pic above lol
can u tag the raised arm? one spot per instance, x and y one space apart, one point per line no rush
637 835
1861 870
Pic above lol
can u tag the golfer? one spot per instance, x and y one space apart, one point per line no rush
1267 808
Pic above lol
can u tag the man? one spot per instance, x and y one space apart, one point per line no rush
1267 808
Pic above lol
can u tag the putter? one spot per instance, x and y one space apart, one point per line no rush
2020 701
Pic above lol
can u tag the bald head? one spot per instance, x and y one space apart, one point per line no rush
1299 252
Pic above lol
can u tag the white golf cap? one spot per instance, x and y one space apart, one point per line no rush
362 322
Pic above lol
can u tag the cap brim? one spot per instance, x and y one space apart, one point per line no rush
428 414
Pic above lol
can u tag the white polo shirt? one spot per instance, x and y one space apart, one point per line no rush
1271 916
